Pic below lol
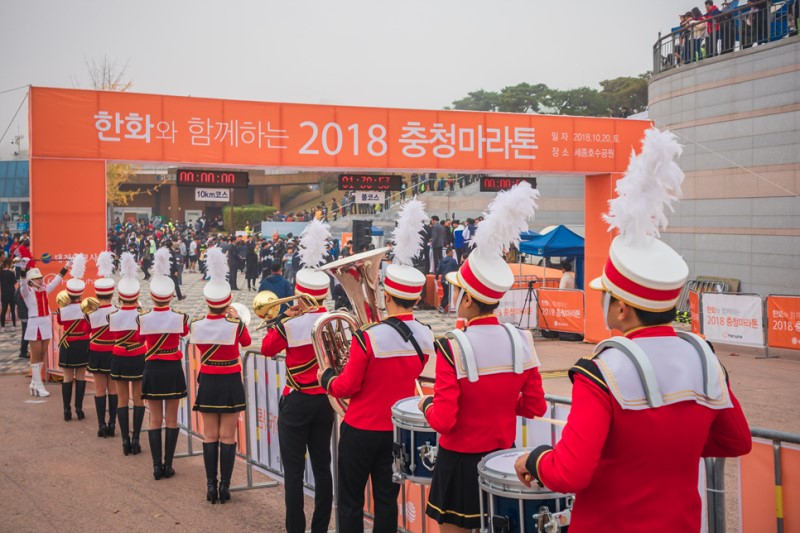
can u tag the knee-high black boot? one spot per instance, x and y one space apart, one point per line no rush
122 414
211 458
170 442
100 406
80 390
138 417
112 414
227 458
66 397
154 436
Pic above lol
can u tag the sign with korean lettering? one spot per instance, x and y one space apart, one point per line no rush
370 197
694 312
101 125
783 322
733 318
561 310
518 307
212 195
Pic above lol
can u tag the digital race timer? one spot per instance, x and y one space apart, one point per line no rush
369 182
496 184
193 177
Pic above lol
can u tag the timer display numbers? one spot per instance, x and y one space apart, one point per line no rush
224 179
500 183
369 182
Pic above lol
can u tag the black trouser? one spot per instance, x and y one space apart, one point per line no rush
306 421
174 278
364 454
23 347
445 294
146 267
8 304
437 256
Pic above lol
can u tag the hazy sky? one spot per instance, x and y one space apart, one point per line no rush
409 53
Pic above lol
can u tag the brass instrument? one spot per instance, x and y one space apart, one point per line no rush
267 305
63 299
332 333
89 305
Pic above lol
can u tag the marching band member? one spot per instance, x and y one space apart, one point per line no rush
487 375
305 420
40 328
127 361
73 347
385 360
220 396
101 345
647 406
163 383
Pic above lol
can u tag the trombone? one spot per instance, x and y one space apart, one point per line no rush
267 305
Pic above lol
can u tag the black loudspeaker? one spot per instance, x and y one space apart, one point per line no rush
362 235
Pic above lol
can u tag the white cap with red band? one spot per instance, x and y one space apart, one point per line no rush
313 248
217 291
402 280
312 282
641 270
104 285
162 288
128 287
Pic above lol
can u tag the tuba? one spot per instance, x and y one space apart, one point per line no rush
332 333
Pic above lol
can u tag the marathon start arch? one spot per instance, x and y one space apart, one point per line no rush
73 133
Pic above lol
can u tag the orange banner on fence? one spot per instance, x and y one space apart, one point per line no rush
760 499
127 126
694 311
783 322
561 310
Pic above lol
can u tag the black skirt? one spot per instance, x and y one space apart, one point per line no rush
76 355
163 380
99 362
220 393
127 368
455 495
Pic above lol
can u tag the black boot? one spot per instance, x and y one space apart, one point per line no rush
100 406
80 390
112 414
138 417
211 458
122 414
227 458
154 436
66 396
170 442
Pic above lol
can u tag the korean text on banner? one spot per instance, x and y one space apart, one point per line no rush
694 311
370 197
516 307
733 318
783 322
212 195
561 310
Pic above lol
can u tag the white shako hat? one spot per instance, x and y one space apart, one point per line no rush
128 287
162 288
217 291
641 270
312 251
484 274
104 285
402 280
76 285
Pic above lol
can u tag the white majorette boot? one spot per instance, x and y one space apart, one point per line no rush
36 385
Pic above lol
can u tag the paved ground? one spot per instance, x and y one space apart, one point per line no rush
60 476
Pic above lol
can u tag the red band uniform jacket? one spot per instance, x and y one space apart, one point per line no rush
294 335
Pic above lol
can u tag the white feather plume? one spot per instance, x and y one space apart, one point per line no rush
651 184
407 236
216 264
313 243
127 266
105 264
161 263
78 268
507 217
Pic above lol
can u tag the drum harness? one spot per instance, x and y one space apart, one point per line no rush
468 355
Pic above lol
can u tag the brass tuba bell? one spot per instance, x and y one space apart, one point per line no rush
63 299
89 305
332 333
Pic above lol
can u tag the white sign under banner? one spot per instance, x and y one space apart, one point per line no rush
370 197
518 307
212 195
733 318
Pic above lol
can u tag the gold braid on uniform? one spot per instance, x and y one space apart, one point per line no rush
443 347
588 369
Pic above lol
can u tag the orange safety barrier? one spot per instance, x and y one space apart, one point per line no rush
561 310
694 312
762 500
783 322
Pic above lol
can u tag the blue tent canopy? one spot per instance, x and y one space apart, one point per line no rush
377 232
559 242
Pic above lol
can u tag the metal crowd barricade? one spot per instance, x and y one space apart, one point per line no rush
777 438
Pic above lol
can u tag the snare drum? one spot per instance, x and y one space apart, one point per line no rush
509 506
414 442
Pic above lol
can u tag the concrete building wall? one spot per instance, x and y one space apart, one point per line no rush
738 117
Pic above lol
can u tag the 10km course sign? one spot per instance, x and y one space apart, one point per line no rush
212 195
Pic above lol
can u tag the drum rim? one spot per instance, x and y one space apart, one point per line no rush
494 481
528 493
408 420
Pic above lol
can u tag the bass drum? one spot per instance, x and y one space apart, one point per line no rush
509 506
